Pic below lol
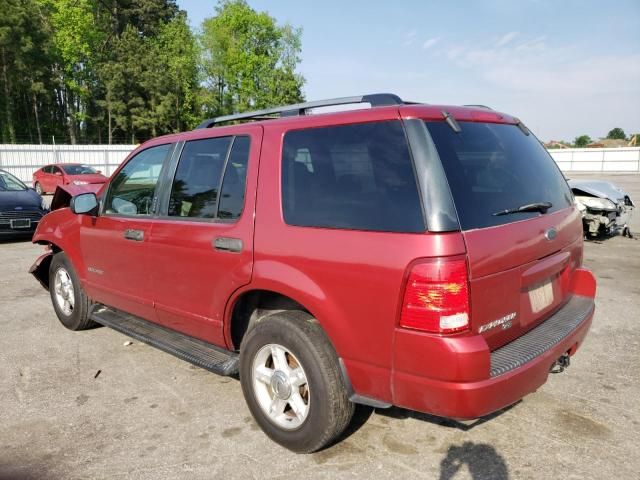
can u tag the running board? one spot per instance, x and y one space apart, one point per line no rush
195 351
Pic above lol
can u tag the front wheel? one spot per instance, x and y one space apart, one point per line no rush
69 300
292 382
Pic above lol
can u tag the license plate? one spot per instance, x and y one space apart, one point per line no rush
541 297
20 223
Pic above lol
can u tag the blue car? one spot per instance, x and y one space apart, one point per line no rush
21 208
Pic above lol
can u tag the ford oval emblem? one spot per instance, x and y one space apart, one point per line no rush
18 208
551 234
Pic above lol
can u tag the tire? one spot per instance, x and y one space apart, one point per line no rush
69 300
38 188
326 410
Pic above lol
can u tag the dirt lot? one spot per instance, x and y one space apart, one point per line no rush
149 415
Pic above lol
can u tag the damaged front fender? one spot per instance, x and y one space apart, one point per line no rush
64 193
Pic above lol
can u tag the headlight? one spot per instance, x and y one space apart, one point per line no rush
596 203
80 182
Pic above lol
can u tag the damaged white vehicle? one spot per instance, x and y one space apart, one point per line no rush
606 209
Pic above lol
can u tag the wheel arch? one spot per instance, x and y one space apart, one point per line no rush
60 230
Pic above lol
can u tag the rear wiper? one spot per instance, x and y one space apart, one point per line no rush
541 207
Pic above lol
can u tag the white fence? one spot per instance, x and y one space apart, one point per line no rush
23 160
598 159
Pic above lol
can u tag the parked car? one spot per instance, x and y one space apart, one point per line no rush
422 256
606 208
21 208
48 178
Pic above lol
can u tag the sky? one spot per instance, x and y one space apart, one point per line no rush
566 68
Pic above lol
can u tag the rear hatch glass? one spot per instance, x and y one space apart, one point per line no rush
522 234
494 167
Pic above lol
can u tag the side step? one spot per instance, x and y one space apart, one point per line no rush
195 351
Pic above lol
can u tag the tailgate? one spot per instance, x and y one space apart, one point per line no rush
518 276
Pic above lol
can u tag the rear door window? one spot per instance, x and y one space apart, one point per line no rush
194 193
234 181
494 167
352 177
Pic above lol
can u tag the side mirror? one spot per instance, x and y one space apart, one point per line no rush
85 203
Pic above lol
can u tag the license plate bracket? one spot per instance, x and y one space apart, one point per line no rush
18 223
541 296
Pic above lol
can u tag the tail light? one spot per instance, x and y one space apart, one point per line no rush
436 298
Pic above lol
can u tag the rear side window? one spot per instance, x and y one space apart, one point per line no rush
494 167
353 177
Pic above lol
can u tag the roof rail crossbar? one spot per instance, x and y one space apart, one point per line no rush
375 100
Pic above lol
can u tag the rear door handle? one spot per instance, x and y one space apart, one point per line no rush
135 235
227 244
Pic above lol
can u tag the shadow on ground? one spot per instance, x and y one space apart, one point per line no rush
481 459
466 425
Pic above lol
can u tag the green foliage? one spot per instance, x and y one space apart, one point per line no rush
124 71
582 141
617 134
248 60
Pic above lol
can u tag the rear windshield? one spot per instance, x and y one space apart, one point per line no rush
495 167
357 177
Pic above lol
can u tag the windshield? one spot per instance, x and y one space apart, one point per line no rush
78 169
496 168
9 183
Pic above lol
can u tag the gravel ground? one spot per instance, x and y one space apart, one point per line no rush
84 405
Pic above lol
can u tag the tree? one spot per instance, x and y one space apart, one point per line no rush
582 141
617 134
75 40
248 60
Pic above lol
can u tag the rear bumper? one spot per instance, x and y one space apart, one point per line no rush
466 381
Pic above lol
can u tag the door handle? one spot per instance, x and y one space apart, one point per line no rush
135 235
227 244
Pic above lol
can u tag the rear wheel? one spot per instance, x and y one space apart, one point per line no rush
70 302
292 383
38 188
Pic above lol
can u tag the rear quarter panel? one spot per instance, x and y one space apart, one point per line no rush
351 281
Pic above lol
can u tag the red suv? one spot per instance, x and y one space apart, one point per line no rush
414 255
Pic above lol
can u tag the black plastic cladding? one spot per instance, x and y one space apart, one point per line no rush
436 196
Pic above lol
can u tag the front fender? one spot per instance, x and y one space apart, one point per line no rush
61 230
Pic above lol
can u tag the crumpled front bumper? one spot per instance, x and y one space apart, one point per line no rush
40 268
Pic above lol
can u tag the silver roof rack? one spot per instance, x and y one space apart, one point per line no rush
375 100
479 106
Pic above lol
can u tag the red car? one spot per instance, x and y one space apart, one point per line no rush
48 178
423 256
